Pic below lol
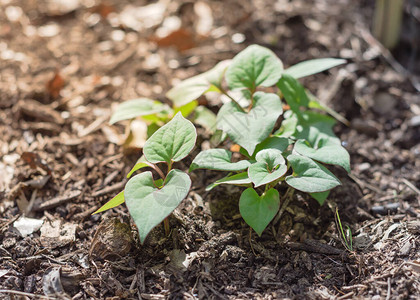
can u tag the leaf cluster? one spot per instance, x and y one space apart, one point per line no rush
262 95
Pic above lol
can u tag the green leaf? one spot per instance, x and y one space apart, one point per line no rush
288 126
172 142
316 129
205 118
320 197
252 67
114 202
140 164
314 103
313 66
136 107
310 176
270 166
186 109
237 179
149 205
332 153
217 159
294 93
273 142
192 88
258 211
250 129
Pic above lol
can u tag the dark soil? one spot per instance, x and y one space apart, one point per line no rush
64 68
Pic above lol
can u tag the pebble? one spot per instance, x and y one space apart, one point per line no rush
405 249
384 103
414 121
364 166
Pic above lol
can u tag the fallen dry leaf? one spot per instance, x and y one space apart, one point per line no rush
181 39
55 85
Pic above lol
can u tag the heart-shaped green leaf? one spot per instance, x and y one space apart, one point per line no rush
313 66
135 108
294 93
252 67
331 153
237 179
217 159
250 129
259 211
320 197
270 165
149 205
171 142
316 129
192 88
310 176
273 142
114 202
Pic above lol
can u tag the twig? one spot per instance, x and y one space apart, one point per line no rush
348 295
411 186
25 294
5 225
352 287
57 201
388 292
370 39
109 189
288 196
363 185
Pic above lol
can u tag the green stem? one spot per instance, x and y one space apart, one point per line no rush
158 170
169 167
233 100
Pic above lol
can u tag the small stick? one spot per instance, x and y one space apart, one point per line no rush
286 201
166 226
24 294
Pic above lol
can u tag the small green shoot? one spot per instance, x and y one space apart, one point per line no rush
346 236
150 201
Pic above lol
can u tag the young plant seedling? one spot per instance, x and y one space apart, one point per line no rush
150 201
294 154
184 99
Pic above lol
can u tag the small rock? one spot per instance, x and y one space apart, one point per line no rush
405 249
367 127
384 103
364 166
414 121
27 226
361 241
112 239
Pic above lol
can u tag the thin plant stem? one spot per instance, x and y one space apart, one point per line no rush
166 226
343 235
158 170
170 167
232 99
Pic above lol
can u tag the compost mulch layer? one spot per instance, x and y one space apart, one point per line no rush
64 65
